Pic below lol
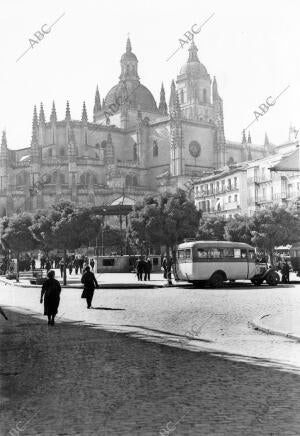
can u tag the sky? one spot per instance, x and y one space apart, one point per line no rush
252 47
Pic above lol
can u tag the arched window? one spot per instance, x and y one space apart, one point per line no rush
87 178
22 178
204 96
134 181
85 138
155 149
135 156
128 180
131 180
230 161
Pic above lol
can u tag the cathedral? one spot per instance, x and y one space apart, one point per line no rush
133 147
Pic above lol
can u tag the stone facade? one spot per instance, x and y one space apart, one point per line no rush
132 147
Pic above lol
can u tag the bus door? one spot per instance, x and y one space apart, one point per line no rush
251 263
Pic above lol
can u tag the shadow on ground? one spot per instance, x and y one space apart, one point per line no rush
72 379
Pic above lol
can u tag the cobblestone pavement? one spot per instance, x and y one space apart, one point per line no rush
71 379
79 379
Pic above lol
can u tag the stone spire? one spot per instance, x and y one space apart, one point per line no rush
267 142
97 105
53 117
35 126
244 140
129 65
84 117
163 108
193 57
42 120
68 113
215 90
128 45
249 138
3 141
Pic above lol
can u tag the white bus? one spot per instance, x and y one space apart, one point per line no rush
218 261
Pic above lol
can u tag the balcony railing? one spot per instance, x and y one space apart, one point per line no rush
279 196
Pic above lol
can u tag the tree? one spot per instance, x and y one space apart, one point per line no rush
274 227
238 229
212 228
63 227
17 235
164 220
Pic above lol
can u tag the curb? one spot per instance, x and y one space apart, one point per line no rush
101 285
256 325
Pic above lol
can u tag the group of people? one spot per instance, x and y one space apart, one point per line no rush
78 263
51 289
143 268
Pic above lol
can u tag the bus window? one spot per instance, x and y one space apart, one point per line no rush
228 252
215 253
237 253
188 253
244 253
202 253
251 255
181 255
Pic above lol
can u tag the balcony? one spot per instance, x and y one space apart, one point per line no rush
280 196
231 206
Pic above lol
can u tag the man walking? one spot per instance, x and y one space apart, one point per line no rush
89 284
285 270
148 268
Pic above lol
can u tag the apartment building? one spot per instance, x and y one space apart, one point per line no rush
247 187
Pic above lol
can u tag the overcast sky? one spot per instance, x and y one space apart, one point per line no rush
252 47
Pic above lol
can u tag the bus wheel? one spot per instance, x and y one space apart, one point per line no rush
217 280
273 279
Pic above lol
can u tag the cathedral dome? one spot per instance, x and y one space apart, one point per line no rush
138 96
193 66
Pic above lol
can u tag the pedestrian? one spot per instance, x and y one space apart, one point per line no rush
43 260
81 262
61 267
51 292
89 284
32 264
140 268
165 266
92 263
76 265
70 266
285 270
148 269
48 265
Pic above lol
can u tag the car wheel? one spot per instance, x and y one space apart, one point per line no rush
273 279
217 280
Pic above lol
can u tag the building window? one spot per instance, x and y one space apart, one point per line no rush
218 186
62 152
22 178
235 182
229 199
155 149
204 96
235 197
229 184
87 179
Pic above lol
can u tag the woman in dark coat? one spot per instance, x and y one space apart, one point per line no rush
51 292
89 284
